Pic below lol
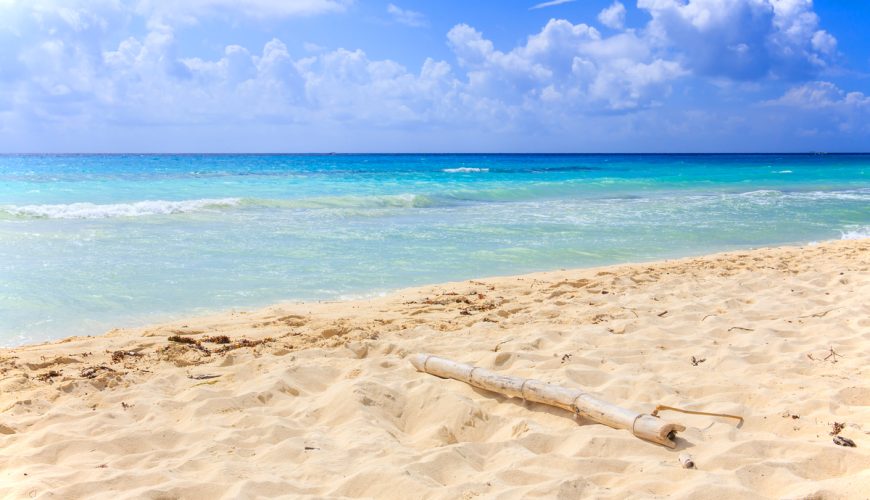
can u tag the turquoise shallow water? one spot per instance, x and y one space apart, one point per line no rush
91 242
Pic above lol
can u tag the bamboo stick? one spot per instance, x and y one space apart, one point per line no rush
642 425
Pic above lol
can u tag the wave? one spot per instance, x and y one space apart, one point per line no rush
527 192
163 207
567 168
860 194
856 234
406 200
136 209
464 170
521 170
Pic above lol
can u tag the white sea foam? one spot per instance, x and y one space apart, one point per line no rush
464 170
783 172
849 195
761 193
856 234
406 200
136 209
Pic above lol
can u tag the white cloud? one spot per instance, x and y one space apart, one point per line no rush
71 67
822 95
406 17
613 16
742 39
551 3
824 42
191 10
568 63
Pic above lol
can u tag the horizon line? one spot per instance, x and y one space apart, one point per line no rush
250 153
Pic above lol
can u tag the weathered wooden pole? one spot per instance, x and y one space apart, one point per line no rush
579 402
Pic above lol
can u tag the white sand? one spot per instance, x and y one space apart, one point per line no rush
331 407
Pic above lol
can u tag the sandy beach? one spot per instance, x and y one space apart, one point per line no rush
319 400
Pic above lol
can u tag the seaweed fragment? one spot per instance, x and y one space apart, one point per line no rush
48 376
844 441
243 342
182 340
217 339
196 344
119 356
93 371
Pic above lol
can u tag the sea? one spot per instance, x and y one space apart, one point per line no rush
93 242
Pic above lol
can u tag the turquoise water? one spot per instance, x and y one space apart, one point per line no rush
91 242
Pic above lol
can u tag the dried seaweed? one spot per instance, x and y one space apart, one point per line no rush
93 371
119 356
182 340
243 343
48 376
217 339
844 441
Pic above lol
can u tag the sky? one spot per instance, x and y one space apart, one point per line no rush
92 76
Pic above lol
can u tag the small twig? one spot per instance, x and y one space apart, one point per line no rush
831 354
741 328
834 354
819 314
659 408
497 346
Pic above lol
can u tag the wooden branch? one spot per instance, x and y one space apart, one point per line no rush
581 403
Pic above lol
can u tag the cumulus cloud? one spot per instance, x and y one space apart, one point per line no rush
613 16
742 39
822 95
566 63
67 63
406 17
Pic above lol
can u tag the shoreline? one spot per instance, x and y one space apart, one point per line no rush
318 399
207 312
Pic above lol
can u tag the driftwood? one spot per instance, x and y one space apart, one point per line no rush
581 403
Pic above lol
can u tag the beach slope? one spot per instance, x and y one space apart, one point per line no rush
319 399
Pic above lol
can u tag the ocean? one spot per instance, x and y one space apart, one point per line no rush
93 242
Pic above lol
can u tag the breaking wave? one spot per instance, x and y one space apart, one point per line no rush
136 209
856 234
529 192
464 170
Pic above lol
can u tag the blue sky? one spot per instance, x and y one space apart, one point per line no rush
434 76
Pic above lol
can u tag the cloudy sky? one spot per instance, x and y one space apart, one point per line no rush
434 75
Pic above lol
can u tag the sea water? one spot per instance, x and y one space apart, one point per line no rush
92 242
